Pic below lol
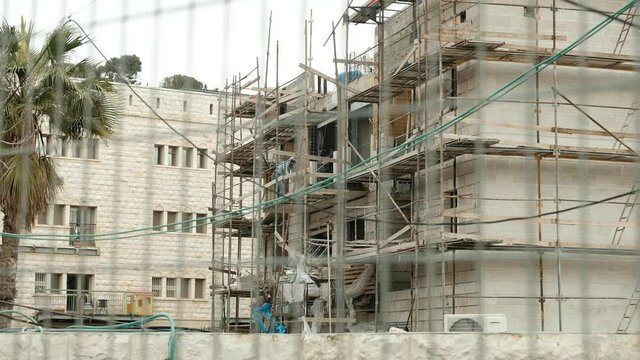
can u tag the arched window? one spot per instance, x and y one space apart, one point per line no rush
130 99
184 106
210 109
157 103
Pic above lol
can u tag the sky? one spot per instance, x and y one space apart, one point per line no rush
211 40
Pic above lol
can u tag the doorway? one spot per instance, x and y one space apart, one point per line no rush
79 288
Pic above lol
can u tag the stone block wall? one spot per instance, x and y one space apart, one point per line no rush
126 186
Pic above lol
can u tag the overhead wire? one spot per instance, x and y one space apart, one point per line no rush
380 157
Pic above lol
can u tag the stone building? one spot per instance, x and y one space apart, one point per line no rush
145 178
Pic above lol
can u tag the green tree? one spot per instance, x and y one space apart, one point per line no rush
128 66
180 82
38 94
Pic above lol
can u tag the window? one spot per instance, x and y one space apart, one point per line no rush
92 148
76 148
356 229
55 283
159 154
52 144
41 283
64 147
187 226
210 109
201 223
157 103
199 289
58 215
184 288
180 156
84 148
81 222
173 155
184 106
202 158
156 286
41 145
157 220
172 218
462 17
171 287
187 157
130 99
43 218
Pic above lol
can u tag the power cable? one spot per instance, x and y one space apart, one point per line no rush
409 144
603 13
518 218
126 82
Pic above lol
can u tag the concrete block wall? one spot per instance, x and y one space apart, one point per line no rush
504 187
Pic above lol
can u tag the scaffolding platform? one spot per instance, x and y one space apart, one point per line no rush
456 54
275 132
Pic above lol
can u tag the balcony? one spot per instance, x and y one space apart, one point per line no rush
76 230
65 304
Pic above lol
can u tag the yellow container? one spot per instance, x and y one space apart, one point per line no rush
139 304
143 304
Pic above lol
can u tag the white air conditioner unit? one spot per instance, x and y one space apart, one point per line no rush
488 323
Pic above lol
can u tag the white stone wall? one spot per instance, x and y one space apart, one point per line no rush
319 347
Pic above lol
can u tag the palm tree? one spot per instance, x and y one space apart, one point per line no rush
38 94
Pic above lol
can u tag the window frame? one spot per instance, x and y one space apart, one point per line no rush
172 218
201 225
173 154
200 286
185 283
40 283
202 158
173 288
156 286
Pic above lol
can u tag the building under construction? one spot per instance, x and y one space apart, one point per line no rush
474 170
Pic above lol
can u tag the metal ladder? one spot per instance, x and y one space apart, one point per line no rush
632 199
632 306
626 26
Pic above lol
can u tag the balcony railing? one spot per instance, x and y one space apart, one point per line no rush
94 303
75 232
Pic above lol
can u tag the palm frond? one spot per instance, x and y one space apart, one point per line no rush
61 42
42 87
29 183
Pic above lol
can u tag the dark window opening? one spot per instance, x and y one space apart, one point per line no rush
462 17
451 202
355 230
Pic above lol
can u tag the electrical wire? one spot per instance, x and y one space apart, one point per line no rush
518 218
31 321
126 82
70 315
378 158
603 13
